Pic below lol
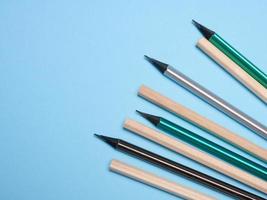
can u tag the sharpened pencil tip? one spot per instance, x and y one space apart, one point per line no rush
152 118
109 140
101 137
195 23
146 57
207 33
162 67
139 112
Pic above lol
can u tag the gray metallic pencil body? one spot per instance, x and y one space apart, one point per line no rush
213 99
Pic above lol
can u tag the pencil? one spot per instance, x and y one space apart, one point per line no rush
209 97
233 54
196 155
231 67
206 145
202 122
156 181
178 168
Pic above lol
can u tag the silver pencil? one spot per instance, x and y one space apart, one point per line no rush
209 97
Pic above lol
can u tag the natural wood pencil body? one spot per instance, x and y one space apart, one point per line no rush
196 155
232 68
156 181
202 122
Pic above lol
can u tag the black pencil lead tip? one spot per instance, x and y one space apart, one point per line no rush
152 118
98 136
139 112
195 23
109 140
207 33
162 67
101 137
146 57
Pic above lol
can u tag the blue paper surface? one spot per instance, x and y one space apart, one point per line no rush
69 69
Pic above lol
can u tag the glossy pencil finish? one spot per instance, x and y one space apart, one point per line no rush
209 97
233 54
179 169
207 145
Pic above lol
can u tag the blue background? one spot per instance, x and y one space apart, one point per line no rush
69 69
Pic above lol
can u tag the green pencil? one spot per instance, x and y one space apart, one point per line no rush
233 54
207 145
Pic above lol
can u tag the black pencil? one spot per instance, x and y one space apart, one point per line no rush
177 168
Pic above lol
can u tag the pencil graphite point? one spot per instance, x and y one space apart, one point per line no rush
207 33
98 136
196 23
109 140
162 67
152 118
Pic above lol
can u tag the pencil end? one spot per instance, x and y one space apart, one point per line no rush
139 112
152 118
195 23
162 67
146 57
101 137
109 140
207 33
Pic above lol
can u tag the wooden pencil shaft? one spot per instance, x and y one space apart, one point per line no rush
216 101
156 181
231 67
180 169
196 155
202 122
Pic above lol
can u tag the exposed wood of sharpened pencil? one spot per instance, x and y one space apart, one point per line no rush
232 68
202 122
156 181
196 155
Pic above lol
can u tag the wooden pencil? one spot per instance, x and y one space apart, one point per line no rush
202 122
209 97
156 181
231 67
196 155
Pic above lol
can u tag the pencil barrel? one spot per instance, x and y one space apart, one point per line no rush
216 101
239 59
189 173
213 148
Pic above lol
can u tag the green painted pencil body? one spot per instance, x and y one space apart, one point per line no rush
233 54
207 146
213 148
239 59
